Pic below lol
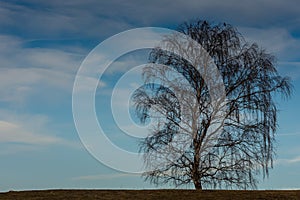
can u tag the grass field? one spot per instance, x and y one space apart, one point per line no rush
151 194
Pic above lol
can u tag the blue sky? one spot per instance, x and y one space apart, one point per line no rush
43 44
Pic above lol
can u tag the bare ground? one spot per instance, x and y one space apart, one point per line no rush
151 194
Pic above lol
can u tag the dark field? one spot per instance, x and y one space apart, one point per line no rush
151 194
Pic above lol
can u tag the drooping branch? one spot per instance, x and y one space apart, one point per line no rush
194 141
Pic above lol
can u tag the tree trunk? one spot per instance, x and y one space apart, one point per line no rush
197 184
196 175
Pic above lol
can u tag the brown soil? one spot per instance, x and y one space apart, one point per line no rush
151 194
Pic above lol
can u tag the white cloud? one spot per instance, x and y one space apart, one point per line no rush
17 133
294 160
291 69
275 40
125 65
87 84
15 54
96 19
49 19
287 161
279 42
24 71
28 132
57 67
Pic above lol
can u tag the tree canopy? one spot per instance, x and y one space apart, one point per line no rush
211 142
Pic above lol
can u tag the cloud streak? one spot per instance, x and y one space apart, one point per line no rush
97 19
103 176
288 161
29 132
17 133
26 71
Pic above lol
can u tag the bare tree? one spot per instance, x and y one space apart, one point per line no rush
197 138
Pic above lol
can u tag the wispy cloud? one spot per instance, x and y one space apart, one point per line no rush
25 70
288 161
288 134
54 19
16 133
20 132
8 149
279 42
291 69
96 19
276 40
104 176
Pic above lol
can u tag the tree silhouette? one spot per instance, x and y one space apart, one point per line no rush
198 135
